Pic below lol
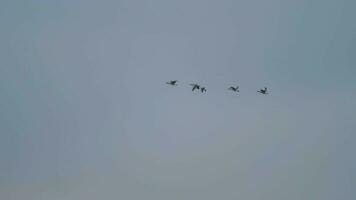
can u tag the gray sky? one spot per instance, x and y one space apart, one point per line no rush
86 114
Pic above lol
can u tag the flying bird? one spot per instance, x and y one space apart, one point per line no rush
202 89
235 89
195 86
263 91
172 82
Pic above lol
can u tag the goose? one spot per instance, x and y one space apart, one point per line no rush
195 86
263 91
172 82
235 89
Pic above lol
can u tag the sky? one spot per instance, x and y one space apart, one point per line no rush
85 113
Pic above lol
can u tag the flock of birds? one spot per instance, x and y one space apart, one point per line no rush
203 89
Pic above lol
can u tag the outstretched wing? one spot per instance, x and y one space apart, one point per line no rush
195 86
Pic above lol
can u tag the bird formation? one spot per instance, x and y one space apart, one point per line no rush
203 89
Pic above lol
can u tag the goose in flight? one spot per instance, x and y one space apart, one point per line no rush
235 89
202 89
172 82
195 86
263 91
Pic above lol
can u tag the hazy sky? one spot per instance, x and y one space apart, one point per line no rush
85 113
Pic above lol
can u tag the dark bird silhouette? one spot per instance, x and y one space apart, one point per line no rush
263 91
195 86
235 89
202 89
172 82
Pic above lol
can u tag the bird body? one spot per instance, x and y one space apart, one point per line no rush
172 82
235 89
263 91
202 89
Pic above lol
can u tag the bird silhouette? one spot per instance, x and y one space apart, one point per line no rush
202 89
172 82
263 91
195 86
235 89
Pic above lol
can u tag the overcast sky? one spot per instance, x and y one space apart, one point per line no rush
85 113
